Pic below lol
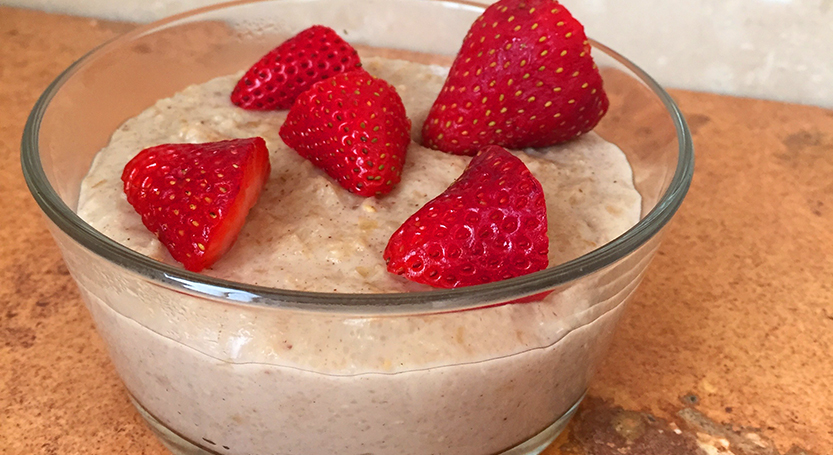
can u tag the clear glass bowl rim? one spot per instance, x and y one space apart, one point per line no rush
412 302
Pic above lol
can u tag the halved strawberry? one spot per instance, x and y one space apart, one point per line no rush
489 225
354 127
290 69
195 197
523 78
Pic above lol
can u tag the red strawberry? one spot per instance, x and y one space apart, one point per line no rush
354 127
290 69
523 78
489 225
195 197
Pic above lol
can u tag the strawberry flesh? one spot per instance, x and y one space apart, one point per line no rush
354 127
489 225
195 197
276 80
524 77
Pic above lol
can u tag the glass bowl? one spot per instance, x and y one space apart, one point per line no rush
219 367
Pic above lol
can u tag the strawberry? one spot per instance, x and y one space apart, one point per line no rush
354 127
195 197
290 69
523 78
489 225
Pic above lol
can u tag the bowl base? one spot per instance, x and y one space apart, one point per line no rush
179 445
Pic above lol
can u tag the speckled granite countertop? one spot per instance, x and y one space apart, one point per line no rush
726 348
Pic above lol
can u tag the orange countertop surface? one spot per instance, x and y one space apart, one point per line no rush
727 346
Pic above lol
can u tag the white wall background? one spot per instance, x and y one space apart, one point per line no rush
772 49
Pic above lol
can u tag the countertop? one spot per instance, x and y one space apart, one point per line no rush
727 345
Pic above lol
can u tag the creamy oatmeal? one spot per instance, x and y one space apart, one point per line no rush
294 382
